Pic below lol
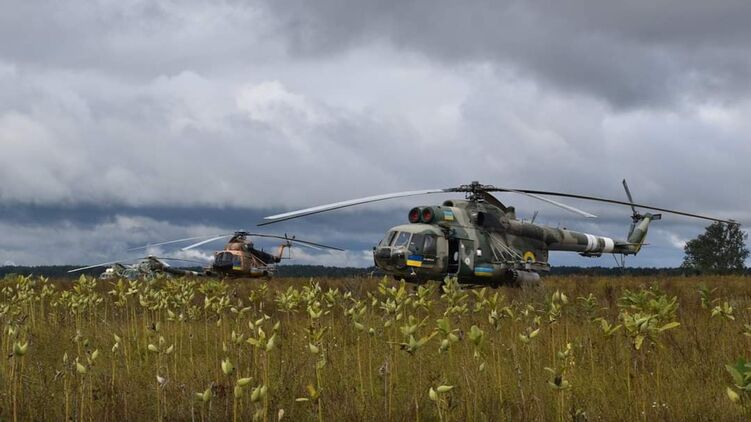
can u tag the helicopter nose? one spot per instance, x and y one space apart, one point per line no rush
389 259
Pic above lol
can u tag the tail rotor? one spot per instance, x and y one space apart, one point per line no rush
639 222
636 216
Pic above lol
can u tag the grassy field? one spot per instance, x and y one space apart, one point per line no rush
579 348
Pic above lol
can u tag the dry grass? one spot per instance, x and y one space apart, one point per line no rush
342 350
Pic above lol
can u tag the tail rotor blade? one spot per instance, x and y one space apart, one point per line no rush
630 199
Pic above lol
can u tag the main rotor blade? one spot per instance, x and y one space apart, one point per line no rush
163 258
492 200
203 242
556 203
103 264
292 239
613 201
336 205
167 242
628 194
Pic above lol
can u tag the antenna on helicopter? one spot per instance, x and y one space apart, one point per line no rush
534 216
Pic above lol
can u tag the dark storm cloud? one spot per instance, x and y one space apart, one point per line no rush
631 54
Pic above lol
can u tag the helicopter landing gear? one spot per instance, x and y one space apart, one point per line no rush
525 279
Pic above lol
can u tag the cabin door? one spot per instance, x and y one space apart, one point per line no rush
467 257
453 263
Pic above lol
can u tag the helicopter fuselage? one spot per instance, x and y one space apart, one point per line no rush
241 259
481 243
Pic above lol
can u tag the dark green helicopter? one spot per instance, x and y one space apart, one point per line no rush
480 240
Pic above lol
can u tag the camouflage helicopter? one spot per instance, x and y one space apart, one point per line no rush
481 241
149 267
240 258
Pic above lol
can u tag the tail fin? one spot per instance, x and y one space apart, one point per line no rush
637 234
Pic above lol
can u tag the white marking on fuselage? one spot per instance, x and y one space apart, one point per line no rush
591 242
599 243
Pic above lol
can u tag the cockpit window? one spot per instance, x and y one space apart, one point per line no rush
386 241
415 245
429 245
402 239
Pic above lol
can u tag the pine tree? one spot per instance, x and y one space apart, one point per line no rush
720 249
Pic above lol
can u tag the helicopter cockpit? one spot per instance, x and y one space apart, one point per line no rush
407 247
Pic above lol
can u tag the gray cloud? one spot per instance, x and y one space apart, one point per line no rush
189 114
629 54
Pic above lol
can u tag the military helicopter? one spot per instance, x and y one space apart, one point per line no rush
479 240
240 258
149 267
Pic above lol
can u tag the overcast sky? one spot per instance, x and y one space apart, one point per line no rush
125 122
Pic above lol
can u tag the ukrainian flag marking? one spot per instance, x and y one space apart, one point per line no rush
483 271
414 261
448 215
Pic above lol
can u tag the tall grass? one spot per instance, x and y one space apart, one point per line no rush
580 348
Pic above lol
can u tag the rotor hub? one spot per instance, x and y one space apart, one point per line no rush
475 191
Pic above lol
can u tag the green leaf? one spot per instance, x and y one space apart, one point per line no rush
638 341
669 325
271 343
255 394
738 371
227 367
732 395
443 325
444 388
